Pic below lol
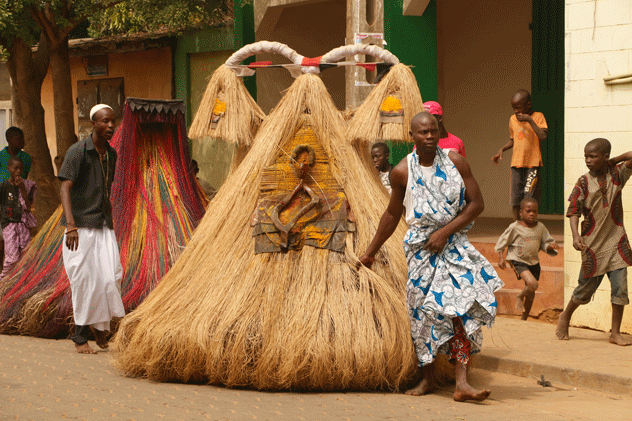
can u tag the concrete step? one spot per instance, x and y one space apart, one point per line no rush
550 293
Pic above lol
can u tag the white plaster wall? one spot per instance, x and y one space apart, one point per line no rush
484 56
598 43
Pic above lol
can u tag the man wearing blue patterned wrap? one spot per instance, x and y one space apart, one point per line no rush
450 288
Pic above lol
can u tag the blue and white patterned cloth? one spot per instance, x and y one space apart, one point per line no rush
458 281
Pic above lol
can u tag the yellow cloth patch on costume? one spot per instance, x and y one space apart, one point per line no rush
391 110
218 111
391 106
314 211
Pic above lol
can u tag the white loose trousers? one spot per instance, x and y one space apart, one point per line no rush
94 271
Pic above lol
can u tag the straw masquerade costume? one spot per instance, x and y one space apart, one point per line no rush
386 113
227 112
281 304
156 205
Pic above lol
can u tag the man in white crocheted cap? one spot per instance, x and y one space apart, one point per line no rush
90 251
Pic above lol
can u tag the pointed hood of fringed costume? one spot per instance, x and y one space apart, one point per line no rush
385 114
227 112
156 205
267 294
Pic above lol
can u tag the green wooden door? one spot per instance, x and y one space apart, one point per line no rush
547 94
413 39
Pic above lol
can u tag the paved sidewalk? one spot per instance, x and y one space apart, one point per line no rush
45 380
531 349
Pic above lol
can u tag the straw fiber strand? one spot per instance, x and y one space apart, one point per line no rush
303 319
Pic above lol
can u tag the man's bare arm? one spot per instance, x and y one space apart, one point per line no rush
391 217
72 237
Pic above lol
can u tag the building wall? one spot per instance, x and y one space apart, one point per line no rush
197 56
5 103
152 79
484 57
598 44
312 29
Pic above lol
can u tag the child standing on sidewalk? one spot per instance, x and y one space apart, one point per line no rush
527 129
16 200
524 239
603 242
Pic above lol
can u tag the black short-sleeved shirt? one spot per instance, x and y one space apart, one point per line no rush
91 205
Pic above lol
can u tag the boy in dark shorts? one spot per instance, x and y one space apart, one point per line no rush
527 128
524 239
603 241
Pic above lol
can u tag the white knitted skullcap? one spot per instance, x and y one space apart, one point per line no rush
98 108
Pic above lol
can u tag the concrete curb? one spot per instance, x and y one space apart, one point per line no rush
560 375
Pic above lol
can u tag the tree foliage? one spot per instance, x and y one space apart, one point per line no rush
25 19
133 16
16 22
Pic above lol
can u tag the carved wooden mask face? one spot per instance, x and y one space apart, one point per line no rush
300 202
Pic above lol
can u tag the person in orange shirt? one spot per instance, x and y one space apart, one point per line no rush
527 128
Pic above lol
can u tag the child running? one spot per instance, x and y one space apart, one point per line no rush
16 199
603 242
524 239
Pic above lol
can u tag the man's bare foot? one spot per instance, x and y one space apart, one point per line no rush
562 329
100 338
617 339
85 349
468 393
423 388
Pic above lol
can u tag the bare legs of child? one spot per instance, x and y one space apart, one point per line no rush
615 333
524 301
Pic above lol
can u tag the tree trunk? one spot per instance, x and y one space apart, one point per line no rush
62 87
27 72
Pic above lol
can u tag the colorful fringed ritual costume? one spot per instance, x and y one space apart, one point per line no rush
156 205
